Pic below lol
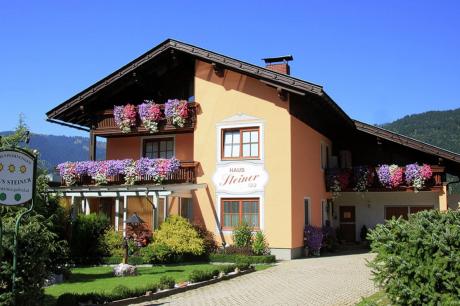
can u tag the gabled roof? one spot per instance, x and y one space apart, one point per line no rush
285 81
406 141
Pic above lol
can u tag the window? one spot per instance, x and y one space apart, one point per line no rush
237 211
186 208
240 143
159 148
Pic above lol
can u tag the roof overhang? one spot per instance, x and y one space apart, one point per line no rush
407 141
284 81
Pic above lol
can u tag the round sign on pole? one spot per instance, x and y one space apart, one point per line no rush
16 177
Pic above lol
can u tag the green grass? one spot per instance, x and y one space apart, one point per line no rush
377 299
101 279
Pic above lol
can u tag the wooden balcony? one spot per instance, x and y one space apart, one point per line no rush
105 124
185 174
348 180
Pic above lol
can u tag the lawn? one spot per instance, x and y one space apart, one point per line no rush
101 279
377 299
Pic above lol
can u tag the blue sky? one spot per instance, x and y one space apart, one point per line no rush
379 60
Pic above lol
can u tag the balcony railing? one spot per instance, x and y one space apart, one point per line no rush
105 123
185 174
347 180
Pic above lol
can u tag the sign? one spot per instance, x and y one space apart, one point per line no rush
240 178
16 177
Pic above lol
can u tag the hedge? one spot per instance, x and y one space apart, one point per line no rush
235 258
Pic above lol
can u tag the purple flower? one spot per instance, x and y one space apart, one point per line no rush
118 114
412 173
170 107
383 172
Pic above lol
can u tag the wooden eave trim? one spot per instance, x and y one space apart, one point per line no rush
228 62
406 141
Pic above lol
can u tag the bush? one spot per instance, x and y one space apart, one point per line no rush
197 276
243 266
227 268
115 260
418 260
157 253
231 249
179 236
242 235
112 242
264 259
314 237
210 244
85 246
166 282
260 245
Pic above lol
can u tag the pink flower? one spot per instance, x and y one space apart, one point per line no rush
426 172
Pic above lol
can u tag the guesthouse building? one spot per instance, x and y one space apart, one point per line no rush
220 141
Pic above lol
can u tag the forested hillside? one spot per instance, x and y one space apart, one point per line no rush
439 128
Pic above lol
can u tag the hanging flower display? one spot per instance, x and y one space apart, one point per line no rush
417 175
125 117
177 111
390 176
150 114
338 181
133 171
68 173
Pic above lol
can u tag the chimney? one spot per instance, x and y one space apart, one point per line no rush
279 64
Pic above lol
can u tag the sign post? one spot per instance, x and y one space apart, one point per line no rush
18 169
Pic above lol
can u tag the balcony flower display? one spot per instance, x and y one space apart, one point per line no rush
150 114
125 117
338 180
68 172
133 171
176 111
390 176
417 175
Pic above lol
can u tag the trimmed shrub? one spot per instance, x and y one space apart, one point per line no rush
418 260
260 245
112 242
166 282
265 259
227 268
179 236
232 249
243 266
115 260
242 235
85 246
157 253
197 276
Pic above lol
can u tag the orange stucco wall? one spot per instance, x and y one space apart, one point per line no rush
307 177
223 97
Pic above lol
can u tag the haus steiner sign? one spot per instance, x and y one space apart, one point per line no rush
16 177
240 178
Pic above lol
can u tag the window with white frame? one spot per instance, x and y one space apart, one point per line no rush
240 143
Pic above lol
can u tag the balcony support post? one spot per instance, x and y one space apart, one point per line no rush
117 213
73 209
92 145
87 208
443 198
155 210
125 212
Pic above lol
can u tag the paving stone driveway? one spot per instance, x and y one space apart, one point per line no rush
334 280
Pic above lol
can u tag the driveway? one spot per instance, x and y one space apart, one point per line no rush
334 280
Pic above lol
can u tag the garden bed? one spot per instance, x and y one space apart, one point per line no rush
95 282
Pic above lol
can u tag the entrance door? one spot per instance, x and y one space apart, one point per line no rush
348 223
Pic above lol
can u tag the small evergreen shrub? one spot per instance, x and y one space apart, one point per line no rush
179 236
418 260
260 245
264 259
112 242
157 253
85 245
166 282
197 276
227 268
232 249
243 266
242 235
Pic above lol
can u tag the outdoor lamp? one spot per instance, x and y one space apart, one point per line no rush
134 220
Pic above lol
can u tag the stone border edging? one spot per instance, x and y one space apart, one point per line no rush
166 293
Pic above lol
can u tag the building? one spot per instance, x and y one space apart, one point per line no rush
256 145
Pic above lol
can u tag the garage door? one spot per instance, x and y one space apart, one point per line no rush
403 211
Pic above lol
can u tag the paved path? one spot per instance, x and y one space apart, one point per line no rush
335 280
